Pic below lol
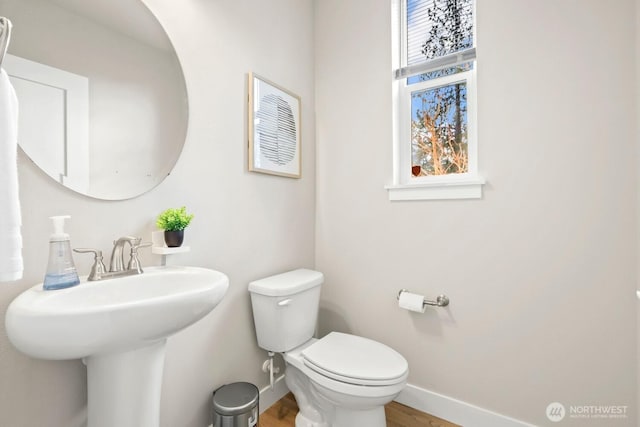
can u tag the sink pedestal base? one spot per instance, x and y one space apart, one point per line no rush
124 388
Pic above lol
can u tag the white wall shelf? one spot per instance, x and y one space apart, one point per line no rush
160 248
163 250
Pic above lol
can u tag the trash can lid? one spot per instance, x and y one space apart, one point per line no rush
235 398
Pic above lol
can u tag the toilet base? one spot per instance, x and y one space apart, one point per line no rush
302 421
321 407
371 418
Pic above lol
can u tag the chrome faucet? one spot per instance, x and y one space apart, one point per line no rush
116 266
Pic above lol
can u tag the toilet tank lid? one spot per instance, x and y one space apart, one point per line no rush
288 283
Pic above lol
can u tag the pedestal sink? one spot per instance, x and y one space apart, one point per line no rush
119 327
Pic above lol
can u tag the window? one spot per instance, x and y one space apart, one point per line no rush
435 141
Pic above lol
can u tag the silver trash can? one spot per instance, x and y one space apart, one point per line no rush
236 405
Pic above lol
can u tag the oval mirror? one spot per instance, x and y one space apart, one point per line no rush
103 101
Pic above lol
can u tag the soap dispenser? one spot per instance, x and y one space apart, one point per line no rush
61 271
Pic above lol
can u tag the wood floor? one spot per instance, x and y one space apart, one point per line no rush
283 414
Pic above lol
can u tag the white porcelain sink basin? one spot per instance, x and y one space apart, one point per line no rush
119 327
103 316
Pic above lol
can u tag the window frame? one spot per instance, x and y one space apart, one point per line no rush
435 187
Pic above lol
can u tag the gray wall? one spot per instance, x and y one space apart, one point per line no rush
542 271
637 139
247 225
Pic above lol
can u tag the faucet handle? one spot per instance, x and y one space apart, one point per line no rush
134 262
98 268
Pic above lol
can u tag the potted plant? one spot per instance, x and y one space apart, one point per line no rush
173 222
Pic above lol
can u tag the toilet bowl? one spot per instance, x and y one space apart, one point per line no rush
322 374
340 380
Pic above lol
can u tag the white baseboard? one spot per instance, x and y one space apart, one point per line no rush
268 397
454 410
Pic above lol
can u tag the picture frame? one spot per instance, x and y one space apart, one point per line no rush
274 129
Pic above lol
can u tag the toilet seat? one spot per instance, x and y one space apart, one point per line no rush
355 360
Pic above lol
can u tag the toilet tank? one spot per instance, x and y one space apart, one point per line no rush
285 308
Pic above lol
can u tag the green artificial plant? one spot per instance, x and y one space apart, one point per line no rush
174 219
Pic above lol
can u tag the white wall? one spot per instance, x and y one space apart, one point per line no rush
637 140
541 272
247 225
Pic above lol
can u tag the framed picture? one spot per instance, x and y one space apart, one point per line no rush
274 129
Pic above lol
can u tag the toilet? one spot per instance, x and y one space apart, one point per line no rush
340 380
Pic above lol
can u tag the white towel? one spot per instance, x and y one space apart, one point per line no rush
11 265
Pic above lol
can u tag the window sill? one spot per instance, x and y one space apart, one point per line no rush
438 189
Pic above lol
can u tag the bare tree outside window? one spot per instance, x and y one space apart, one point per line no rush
439 130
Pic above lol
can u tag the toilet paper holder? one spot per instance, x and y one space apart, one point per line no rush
441 300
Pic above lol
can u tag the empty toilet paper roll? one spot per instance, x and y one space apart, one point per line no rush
411 301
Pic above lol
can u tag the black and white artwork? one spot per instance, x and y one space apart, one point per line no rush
274 129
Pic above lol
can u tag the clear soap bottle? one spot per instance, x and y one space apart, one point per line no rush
61 271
